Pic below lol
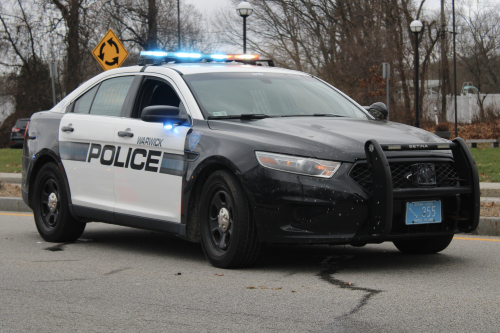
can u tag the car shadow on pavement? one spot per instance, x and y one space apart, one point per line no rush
142 242
285 259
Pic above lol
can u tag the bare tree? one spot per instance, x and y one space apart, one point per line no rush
70 11
153 25
479 49
21 33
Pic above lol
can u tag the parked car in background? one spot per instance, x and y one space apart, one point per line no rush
17 133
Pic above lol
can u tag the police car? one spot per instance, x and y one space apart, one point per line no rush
232 152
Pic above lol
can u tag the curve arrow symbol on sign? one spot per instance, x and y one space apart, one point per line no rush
111 42
101 55
115 61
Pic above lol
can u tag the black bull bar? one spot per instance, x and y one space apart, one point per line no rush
383 193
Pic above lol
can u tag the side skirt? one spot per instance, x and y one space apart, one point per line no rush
98 215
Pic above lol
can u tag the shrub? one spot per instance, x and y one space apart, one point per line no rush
442 127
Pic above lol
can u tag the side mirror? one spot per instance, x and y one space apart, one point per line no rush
163 114
379 111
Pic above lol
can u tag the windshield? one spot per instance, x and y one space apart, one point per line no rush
271 94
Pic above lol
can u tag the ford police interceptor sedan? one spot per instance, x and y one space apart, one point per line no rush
235 155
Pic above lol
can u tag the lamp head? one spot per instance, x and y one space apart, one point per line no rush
416 26
244 9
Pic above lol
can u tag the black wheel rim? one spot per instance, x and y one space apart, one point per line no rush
49 216
220 220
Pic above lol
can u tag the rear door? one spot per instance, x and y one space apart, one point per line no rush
149 167
86 143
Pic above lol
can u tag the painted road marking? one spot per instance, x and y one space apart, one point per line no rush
478 239
11 214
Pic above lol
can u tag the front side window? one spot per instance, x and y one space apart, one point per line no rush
111 96
271 94
157 92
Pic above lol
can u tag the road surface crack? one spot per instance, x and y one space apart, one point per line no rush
333 265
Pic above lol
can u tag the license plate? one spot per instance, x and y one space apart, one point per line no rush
423 212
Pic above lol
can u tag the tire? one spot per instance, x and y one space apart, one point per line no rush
424 246
228 231
56 225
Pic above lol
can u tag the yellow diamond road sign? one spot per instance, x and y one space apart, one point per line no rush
110 52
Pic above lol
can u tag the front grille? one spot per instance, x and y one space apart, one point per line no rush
445 175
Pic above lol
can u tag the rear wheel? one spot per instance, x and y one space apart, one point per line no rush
228 231
50 207
424 245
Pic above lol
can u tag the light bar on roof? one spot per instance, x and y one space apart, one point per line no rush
163 56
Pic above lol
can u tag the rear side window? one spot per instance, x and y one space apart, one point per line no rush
82 105
111 95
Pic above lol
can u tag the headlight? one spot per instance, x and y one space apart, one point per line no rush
300 165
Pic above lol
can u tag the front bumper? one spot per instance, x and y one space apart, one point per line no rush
291 208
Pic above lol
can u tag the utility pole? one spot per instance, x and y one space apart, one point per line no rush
455 66
53 75
386 73
445 68
179 25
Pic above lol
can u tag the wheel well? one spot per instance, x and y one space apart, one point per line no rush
193 223
41 161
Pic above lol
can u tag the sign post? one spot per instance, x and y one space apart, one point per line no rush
110 52
53 74
386 73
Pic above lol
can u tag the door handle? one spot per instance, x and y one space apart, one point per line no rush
67 129
125 134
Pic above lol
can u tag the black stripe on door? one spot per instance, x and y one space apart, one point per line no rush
75 151
172 164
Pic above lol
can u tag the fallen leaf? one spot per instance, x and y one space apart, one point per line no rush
219 274
490 204
293 291
250 287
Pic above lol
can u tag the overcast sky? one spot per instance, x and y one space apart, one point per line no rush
208 5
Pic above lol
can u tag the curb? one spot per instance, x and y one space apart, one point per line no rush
10 178
13 205
490 192
488 226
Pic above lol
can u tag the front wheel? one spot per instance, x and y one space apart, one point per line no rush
427 245
228 231
50 207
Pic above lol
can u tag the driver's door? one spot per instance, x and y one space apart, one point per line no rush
150 159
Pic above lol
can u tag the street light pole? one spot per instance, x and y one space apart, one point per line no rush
416 27
244 34
244 9
417 122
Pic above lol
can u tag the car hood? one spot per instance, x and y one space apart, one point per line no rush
327 138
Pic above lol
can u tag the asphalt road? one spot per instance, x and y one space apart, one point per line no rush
126 280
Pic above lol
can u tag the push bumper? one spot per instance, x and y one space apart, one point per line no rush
299 209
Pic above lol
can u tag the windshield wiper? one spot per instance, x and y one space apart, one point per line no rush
313 115
327 115
241 116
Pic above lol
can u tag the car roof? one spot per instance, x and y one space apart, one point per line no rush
231 67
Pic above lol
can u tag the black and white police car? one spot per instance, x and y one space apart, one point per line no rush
235 155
